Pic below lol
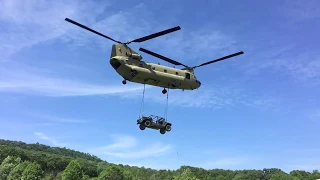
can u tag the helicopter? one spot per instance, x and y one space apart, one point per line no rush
129 65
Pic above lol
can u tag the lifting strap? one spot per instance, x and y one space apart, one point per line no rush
166 109
142 102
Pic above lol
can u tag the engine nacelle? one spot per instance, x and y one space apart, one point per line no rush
134 56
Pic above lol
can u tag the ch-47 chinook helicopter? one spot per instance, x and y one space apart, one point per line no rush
128 64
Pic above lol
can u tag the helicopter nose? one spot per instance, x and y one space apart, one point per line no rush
199 83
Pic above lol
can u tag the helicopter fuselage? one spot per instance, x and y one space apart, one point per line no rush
154 74
128 64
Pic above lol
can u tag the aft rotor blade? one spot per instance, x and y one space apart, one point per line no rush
220 59
161 57
85 27
151 36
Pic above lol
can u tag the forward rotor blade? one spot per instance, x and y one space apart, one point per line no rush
85 27
151 36
161 57
220 59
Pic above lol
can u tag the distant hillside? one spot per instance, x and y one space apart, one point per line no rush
37 161
52 150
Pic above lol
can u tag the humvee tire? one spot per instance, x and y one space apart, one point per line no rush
168 127
142 127
162 131
147 123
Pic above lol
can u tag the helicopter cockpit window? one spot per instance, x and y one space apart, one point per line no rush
187 75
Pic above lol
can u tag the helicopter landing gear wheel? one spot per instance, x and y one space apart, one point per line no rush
164 91
124 82
162 131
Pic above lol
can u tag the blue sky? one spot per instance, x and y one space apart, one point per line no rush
254 111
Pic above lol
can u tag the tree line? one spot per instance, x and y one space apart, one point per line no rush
37 161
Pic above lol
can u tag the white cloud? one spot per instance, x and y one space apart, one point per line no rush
47 138
61 87
300 66
183 41
303 67
150 151
300 10
27 23
46 119
308 70
185 46
120 142
213 97
127 147
32 82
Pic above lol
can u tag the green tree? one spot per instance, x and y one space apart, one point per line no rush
88 167
315 174
161 175
282 176
185 175
220 177
59 176
127 175
112 172
32 172
48 176
239 177
51 162
300 174
73 171
7 165
101 166
268 172
17 171
85 177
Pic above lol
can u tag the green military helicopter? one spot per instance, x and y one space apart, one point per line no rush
129 65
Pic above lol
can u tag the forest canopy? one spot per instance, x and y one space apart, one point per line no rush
20 160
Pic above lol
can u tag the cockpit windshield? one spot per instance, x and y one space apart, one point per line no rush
188 75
